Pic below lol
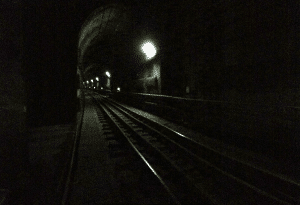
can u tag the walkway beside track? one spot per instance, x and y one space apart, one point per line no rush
49 151
93 183
39 172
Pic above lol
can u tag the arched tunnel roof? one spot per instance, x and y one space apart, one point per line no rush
101 29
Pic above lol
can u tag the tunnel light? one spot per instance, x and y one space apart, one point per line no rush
87 82
119 89
108 74
97 78
101 88
149 49
94 87
91 80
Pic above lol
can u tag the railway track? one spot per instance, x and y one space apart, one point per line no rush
191 173
135 179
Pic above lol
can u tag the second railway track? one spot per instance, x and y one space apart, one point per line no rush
190 173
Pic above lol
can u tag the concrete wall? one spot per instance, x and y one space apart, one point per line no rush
13 138
149 78
232 50
50 62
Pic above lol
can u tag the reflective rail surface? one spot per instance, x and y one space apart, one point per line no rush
181 164
133 162
246 123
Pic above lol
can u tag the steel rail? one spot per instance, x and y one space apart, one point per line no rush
258 190
167 158
107 112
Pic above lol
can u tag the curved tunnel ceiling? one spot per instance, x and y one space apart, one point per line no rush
102 28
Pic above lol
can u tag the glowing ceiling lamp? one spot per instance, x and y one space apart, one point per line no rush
149 49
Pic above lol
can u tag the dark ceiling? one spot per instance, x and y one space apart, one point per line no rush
111 36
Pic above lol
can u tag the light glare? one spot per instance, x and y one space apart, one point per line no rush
108 74
149 50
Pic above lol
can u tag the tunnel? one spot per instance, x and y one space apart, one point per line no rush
227 69
192 51
110 40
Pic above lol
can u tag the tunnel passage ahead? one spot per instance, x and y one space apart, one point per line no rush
216 51
112 39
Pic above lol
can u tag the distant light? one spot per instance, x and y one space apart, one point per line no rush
149 50
87 82
118 89
97 78
91 80
101 88
94 87
187 89
108 74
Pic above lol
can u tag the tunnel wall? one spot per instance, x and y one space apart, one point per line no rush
232 50
149 78
239 61
14 154
50 63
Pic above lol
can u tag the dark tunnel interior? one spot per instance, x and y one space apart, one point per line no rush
215 51
228 68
